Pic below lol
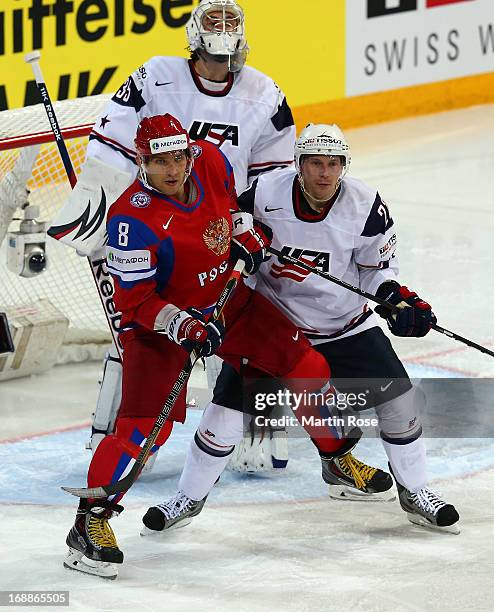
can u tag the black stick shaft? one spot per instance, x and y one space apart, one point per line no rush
33 59
334 279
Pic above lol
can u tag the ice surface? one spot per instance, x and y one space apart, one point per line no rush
277 542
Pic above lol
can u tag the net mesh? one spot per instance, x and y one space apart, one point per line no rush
67 282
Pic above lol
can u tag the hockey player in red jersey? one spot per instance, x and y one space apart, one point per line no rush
171 238
216 97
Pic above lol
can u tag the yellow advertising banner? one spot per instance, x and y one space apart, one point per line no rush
90 46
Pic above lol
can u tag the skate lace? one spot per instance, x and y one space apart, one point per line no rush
428 501
176 505
359 471
101 533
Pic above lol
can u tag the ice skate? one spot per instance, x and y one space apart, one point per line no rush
175 513
351 479
426 509
92 544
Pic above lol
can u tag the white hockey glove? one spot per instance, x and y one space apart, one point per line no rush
81 222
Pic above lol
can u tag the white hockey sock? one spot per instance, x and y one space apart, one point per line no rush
210 450
408 462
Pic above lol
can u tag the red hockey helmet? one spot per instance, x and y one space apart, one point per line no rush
161 134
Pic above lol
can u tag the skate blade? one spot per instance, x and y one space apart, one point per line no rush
75 560
145 531
422 522
344 493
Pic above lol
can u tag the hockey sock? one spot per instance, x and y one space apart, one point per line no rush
210 450
116 453
328 446
408 461
309 380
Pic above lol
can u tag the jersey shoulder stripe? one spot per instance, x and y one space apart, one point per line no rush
379 220
283 117
113 144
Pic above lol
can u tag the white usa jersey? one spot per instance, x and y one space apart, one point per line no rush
248 118
353 239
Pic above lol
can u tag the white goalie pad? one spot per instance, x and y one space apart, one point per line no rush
263 450
110 395
81 222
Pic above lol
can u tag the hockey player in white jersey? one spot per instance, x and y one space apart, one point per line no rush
339 225
213 94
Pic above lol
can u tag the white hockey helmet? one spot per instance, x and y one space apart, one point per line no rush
217 27
321 139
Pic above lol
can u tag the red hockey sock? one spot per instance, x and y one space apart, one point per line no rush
327 446
116 454
311 376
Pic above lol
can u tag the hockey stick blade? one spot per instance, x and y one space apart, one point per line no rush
120 486
301 264
125 483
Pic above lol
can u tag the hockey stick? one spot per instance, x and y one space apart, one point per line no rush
125 483
33 59
100 274
293 260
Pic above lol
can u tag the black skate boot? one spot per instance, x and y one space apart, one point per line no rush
92 545
172 514
351 479
426 509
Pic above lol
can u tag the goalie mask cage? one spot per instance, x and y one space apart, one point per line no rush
29 159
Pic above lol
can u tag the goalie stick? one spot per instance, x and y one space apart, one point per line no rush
301 264
125 483
100 274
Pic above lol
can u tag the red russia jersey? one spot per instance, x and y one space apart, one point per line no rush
163 251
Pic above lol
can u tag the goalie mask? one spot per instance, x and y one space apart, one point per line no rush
157 135
321 140
217 28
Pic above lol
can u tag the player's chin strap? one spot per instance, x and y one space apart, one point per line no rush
294 261
125 483
313 198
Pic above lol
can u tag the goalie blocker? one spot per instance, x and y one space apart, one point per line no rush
80 223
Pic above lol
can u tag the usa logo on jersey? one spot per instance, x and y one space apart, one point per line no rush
217 133
316 259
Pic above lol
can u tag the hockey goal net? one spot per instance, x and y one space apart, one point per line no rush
29 159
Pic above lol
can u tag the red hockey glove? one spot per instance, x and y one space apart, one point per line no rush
414 317
188 329
250 245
